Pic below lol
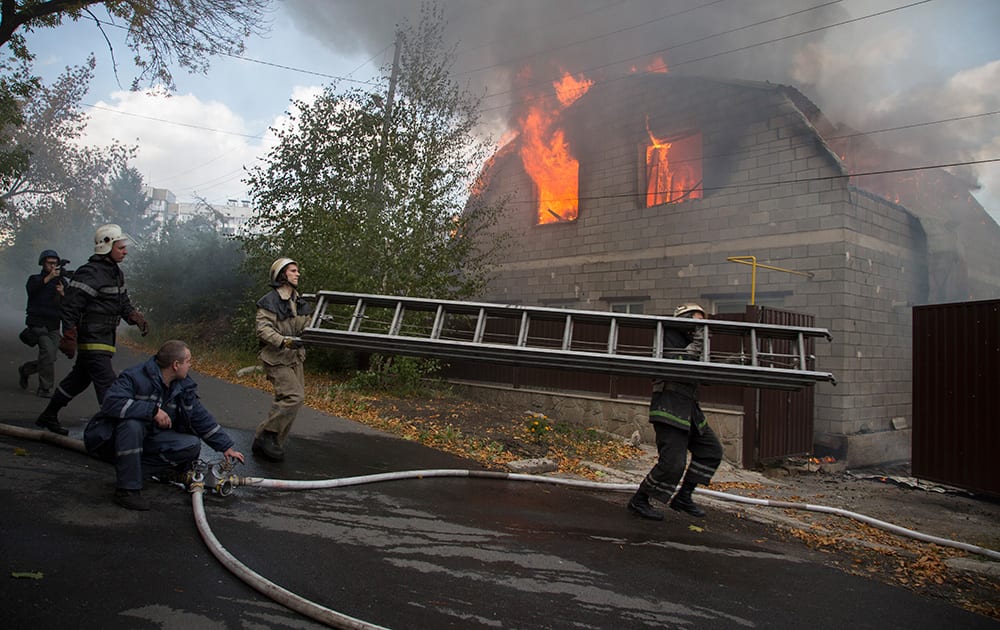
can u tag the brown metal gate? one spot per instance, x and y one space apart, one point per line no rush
956 394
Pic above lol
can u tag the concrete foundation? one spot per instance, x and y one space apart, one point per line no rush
867 449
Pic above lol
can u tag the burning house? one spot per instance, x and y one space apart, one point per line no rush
630 195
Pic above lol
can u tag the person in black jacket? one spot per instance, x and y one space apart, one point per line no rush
45 292
96 301
680 426
152 423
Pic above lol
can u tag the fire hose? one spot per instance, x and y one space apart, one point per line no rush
220 479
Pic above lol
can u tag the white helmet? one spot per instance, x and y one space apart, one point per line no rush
107 235
688 310
278 266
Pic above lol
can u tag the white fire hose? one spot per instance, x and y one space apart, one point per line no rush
225 483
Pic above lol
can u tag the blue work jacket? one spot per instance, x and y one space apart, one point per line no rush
139 391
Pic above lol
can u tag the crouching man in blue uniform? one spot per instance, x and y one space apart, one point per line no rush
152 422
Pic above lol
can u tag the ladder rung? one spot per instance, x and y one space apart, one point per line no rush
359 313
568 333
438 322
613 336
522 334
397 320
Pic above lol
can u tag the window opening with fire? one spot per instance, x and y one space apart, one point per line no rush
673 168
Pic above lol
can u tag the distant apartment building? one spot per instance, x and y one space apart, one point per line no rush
230 218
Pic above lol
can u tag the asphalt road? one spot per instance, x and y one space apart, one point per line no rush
429 553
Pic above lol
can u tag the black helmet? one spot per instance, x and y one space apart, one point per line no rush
48 253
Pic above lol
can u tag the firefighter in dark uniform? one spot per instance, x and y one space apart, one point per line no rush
96 301
680 427
152 422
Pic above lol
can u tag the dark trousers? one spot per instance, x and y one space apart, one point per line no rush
673 444
90 368
137 448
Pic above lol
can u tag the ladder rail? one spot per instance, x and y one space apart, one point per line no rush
580 316
437 334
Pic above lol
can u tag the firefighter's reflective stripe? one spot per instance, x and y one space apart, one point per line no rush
96 347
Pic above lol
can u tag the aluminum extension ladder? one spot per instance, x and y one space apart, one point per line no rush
738 353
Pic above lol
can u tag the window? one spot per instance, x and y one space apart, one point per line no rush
672 168
632 308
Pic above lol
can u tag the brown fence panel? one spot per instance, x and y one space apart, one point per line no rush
956 394
778 423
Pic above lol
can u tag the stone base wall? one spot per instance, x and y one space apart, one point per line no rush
862 450
618 416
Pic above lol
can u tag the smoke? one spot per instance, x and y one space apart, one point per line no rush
906 66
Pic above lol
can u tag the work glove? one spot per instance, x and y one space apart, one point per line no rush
135 317
292 343
67 343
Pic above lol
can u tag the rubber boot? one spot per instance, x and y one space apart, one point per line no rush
50 421
131 500
267 445
639 504
682 501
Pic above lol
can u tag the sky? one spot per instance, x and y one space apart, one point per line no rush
931 66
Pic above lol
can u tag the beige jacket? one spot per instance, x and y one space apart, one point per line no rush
272 331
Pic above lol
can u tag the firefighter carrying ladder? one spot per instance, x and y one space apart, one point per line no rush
763 355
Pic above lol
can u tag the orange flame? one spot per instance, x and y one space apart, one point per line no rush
657 65
546 155
569 88
666 182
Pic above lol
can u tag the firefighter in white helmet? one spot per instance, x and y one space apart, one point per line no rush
96 301
680 427
282 315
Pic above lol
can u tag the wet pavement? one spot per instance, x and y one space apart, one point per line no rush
426 553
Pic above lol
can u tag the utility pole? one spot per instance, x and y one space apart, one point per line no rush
379 170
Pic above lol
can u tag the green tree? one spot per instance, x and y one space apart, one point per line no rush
378 204
128 205
16 85
59 168
160 32
202 269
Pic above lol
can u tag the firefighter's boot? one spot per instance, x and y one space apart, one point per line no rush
682 502
639 504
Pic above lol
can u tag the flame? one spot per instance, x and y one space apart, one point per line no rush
666 183
657 65
654 65
546 155
569 88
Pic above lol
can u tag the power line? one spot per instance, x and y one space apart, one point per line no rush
753 185
549 51
732 155
311 72
270 63
173 122
260 136
706 57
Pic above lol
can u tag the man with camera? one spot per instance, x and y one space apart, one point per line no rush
45 292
